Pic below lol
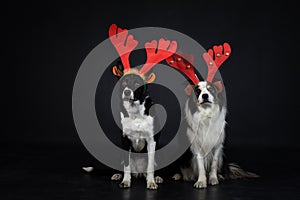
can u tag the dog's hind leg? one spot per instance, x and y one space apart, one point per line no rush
176 177
217 158
158 179
187 174
116 177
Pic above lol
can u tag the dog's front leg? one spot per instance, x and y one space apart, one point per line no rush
213 178
201 182
126 182
150 168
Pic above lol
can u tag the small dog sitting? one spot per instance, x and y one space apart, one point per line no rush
137 123
205 114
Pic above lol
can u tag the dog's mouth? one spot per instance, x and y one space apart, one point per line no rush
204 102
129 99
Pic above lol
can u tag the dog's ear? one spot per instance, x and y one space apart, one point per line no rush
219 86
116 71
189 89
150 78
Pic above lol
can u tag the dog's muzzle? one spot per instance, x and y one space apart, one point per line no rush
127 94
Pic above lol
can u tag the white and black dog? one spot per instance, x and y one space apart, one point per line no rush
205 113
138 131
137 123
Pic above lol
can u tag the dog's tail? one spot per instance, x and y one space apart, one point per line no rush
234 171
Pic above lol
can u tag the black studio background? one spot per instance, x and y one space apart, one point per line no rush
52 38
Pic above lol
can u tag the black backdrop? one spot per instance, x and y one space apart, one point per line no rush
53 38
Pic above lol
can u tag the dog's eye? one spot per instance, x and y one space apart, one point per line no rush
137 84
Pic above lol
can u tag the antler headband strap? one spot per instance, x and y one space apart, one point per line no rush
214 58
179 62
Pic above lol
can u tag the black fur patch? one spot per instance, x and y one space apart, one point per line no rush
136 84
192 103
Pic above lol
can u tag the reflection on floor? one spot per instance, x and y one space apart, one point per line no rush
54 172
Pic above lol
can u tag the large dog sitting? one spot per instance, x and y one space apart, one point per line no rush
137 123
205 113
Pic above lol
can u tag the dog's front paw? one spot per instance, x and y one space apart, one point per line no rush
152 185
125 184
176 177
116 177
200 184
213 181
158 179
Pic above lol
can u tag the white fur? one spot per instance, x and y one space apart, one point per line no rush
139 128
203 86
131 93
88 169
206 134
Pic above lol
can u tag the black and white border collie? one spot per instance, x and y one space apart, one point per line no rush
138 129
137 123
205 114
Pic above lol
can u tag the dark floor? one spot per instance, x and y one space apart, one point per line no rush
54 172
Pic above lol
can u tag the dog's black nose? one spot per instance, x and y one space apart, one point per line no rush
205 96
127 92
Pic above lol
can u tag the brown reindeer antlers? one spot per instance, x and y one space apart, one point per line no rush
214 58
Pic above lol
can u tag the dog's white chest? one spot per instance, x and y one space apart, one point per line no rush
137 125
206 129
140 127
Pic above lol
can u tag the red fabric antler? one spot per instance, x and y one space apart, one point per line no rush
214 58
123 44
157 53
184 63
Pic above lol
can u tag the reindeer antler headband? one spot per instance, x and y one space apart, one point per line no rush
214 58
125 43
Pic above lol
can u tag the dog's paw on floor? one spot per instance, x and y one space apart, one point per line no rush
200 184
158 179
213 181
152 185
116 177
176 177
125 184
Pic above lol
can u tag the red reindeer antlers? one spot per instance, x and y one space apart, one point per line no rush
214 58
123 44
157 53
184 63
